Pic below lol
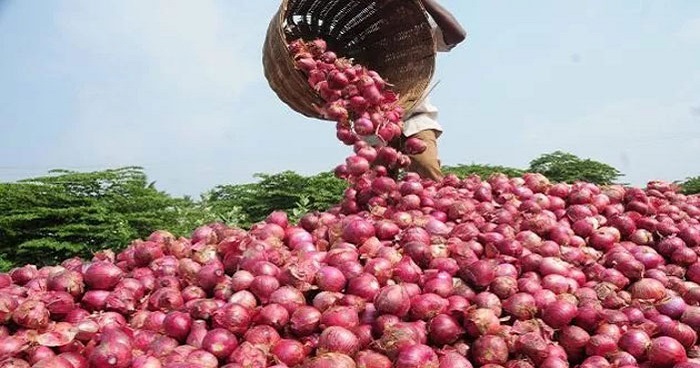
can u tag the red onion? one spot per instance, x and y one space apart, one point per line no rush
262 335
248 355
573 338
331 360
489 301
426 306
241 280
408 271
340 316
338 339
102 275
521 306
288 297
691 317
559 313
202 358
165 299
393 300
31 314
417 356
371 359
220 342
273 314
489 349
289 352
479 273
111 354
197 333
444 329
681 332
263 286
648 289
305 320
672 306
177 325
601 345
666 352
330 279
66 280
232 317
480 322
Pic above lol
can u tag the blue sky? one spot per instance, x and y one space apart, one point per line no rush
177 87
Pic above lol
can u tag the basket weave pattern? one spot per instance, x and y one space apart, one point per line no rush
392 37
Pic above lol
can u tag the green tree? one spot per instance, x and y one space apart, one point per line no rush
691 185
287 191
484 171
565 167
47 219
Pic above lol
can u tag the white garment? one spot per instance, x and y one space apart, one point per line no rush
424 115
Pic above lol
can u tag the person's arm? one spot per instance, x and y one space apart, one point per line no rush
452 31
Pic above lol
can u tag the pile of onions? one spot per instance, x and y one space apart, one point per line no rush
497 273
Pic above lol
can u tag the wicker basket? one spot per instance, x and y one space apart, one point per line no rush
393 37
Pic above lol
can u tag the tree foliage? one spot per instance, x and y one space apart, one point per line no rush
246 204
565 167
484 171
47 219
691 185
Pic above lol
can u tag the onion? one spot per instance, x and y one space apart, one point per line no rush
559 313
220 342
289 352
393 300
636 342
288 297
262 335
177 325
648 289
371 359
102 275
305 320
681 332
666 352
197 333
111 354
331 360
338 339
444 329
521 306
330 279
66 280
479 273
248 355
489 349
489 301
232 317
274 315
340 316
691 317
481 321
672 306
601 345
417 356
428 305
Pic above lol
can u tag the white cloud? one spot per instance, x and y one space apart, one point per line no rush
690 31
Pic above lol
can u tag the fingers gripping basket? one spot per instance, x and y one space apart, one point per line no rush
392 37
